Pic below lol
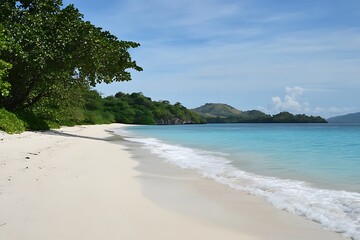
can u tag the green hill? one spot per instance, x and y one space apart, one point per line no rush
219 110
348 118
136 108
223 113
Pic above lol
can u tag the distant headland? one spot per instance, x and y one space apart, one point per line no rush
223 113
348 118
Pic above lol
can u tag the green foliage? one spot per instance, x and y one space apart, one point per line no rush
68 111
94 112
52 50
286 117
135 108
32 122
98 117
10 123
4 67
55 56
142 110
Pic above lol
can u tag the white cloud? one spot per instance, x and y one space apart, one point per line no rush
290 102
293 102
294 92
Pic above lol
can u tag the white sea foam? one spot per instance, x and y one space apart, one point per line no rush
338 211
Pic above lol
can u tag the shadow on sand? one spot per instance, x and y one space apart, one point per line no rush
64 134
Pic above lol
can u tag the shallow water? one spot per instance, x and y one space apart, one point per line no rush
309 169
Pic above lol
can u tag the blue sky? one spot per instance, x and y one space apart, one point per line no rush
271 55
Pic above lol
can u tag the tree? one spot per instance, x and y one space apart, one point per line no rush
139 109
4 67
53 51
284 117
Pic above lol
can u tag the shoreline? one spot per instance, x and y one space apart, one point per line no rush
82 183
185 191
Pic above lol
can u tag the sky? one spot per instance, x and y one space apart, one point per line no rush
270 55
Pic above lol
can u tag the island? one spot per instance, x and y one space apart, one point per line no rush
224 113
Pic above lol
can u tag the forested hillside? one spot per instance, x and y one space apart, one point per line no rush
214 110
134 108
223 113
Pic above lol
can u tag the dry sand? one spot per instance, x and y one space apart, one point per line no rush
78 183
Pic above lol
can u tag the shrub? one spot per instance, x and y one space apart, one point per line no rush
98 117
33 122
10 123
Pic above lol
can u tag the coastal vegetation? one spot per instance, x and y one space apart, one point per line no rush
134 108
50 57
56 55
223 113
10 123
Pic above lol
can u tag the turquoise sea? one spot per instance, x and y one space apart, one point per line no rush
312 170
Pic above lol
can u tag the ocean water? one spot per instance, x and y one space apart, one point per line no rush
312 170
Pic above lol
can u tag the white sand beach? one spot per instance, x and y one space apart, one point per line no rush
79 183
